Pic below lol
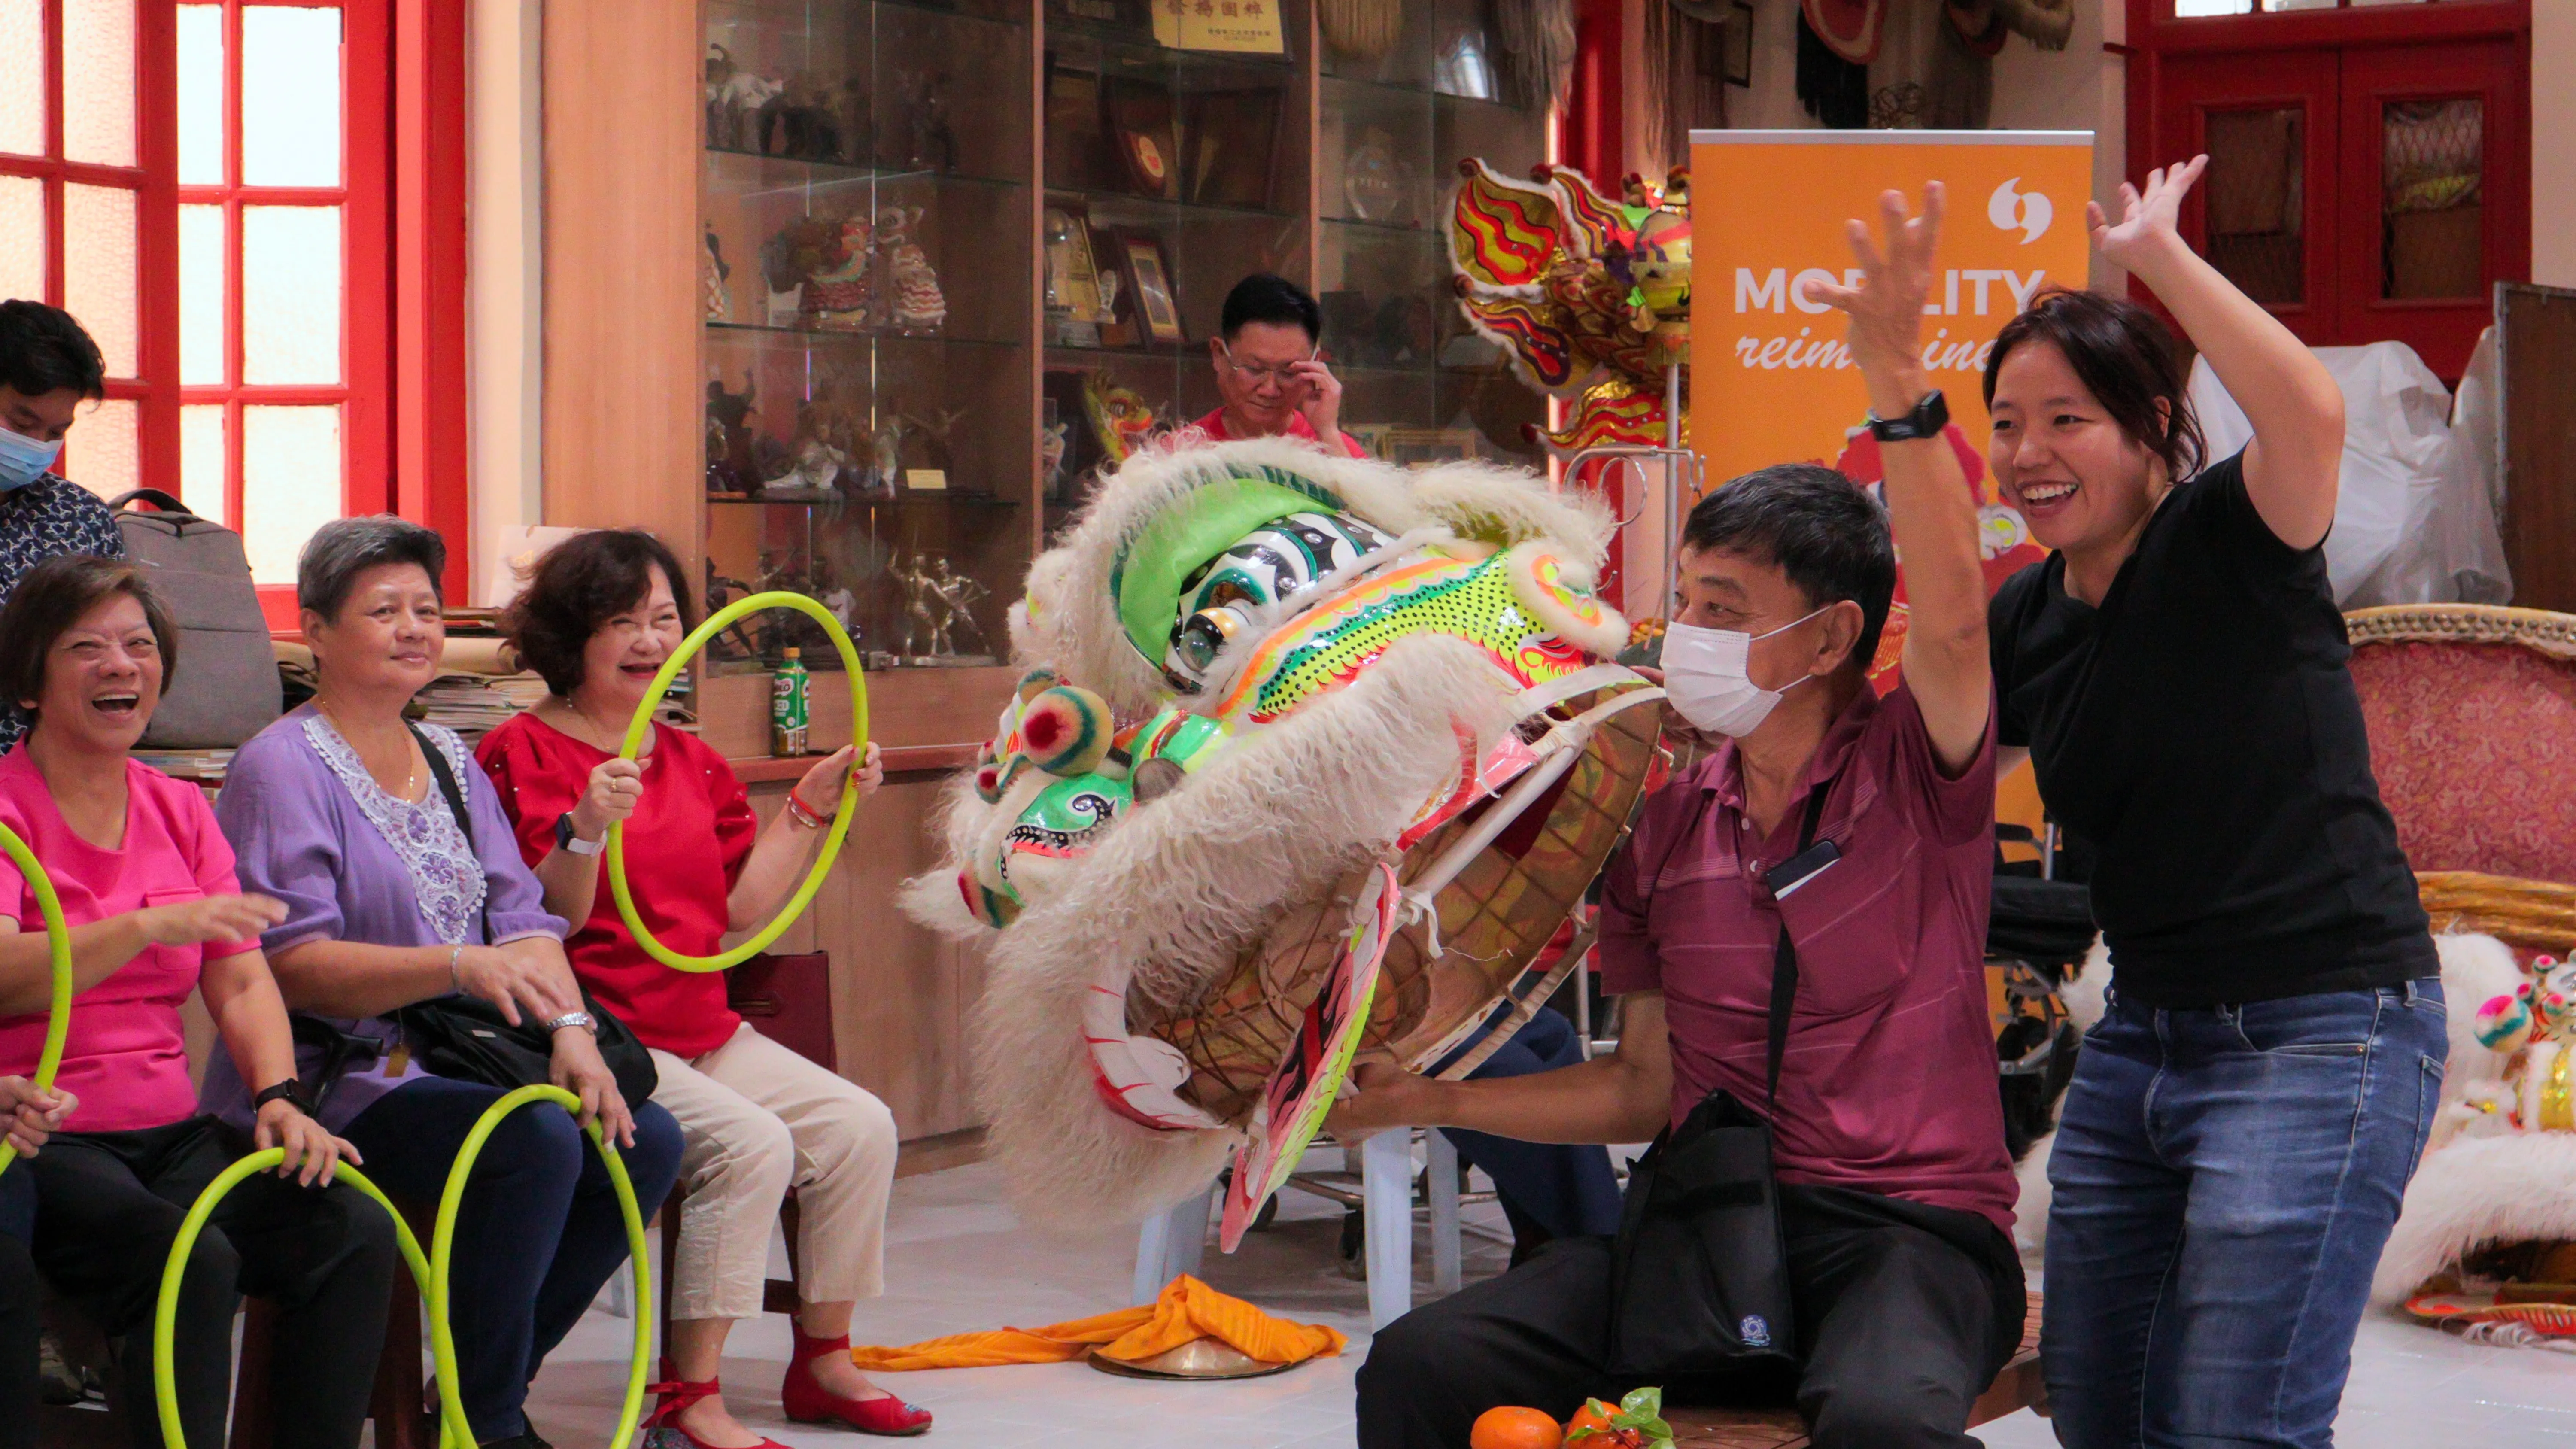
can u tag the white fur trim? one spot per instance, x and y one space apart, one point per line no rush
1167 902
1604 633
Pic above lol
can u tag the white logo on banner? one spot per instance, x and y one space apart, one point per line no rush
2027 212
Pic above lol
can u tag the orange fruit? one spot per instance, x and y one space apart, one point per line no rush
1514 1428
1593 1415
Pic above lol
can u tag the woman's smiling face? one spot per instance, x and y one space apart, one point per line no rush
630 646
2077 478
102 678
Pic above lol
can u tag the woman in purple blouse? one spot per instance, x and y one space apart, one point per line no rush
336 811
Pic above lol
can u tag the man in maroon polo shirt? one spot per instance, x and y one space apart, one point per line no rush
1896 1192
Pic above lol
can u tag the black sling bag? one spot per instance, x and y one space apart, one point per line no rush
1699 1276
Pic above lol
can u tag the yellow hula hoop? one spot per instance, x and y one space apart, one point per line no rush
429 1273
643 722
165 1316
58 942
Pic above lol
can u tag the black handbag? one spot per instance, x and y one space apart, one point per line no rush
467 1038
1699 1276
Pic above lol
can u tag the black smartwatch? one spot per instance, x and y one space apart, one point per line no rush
289 1090
1927 420
566 840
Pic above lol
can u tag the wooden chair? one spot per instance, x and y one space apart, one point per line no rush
2019 1386
2472 717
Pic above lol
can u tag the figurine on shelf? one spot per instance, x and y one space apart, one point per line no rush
739 455
1120 416
715 272
735 643
919 305
960 594
809 122
792 254
735 109
840 290
933 142
815 463
925 633
876 482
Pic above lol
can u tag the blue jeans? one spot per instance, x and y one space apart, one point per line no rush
2224 1179
539 1231
1570 1192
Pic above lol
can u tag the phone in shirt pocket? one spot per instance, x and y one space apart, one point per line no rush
1852 921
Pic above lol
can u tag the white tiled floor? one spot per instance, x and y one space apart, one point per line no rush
957 1260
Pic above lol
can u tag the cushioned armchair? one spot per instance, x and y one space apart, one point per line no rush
2472 714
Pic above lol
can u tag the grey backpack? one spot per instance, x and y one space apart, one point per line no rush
227 685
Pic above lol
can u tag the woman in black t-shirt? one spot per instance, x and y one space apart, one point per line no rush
2242 1123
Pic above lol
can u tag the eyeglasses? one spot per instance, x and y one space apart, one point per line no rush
1284 374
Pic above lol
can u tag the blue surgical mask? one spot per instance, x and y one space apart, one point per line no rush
23 460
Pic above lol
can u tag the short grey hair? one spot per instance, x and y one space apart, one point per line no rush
345 547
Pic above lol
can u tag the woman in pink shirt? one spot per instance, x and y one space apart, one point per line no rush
146 882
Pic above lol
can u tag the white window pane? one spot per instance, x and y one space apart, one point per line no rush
290 96
22 237
201 462
201 95
98 81
290 303
98 269
22 77
290 484
2188 8
100 452
201 296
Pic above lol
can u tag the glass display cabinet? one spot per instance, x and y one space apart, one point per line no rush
957 255
865 199
1399 111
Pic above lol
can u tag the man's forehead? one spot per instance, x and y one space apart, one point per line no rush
1269 340
1730 570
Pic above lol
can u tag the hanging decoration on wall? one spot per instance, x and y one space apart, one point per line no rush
1535 40
1314 753
1590 297
1686 69
1362 29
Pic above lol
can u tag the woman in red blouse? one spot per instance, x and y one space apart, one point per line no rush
601 613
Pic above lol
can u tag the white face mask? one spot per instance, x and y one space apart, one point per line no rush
1704 676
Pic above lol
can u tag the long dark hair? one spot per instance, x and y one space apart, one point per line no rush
2125 357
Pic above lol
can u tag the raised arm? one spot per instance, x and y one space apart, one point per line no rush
1928 500
2296 459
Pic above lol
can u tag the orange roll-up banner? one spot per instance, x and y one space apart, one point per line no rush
1770 380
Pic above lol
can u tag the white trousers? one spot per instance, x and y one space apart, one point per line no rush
755 1119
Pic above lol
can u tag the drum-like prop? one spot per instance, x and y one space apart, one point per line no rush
1493 919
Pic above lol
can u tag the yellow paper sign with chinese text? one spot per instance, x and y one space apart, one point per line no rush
1246 26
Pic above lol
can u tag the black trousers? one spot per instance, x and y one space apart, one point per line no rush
108 1208
20 1303
1904 1314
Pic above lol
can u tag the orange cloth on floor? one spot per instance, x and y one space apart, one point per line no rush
1186 1309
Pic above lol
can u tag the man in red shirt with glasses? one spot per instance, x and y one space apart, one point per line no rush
1268 356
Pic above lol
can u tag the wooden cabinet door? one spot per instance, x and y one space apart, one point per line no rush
2265 213
2435 205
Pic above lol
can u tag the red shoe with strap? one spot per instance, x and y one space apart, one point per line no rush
808 1402
663 1431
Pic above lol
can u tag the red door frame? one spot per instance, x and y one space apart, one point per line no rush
429 479
2157 39
2305 81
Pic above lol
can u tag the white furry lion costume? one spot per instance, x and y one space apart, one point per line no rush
1273 694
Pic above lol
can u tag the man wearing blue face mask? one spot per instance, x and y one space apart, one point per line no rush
48 368
1795 930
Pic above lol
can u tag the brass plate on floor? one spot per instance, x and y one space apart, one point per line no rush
1200 1358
